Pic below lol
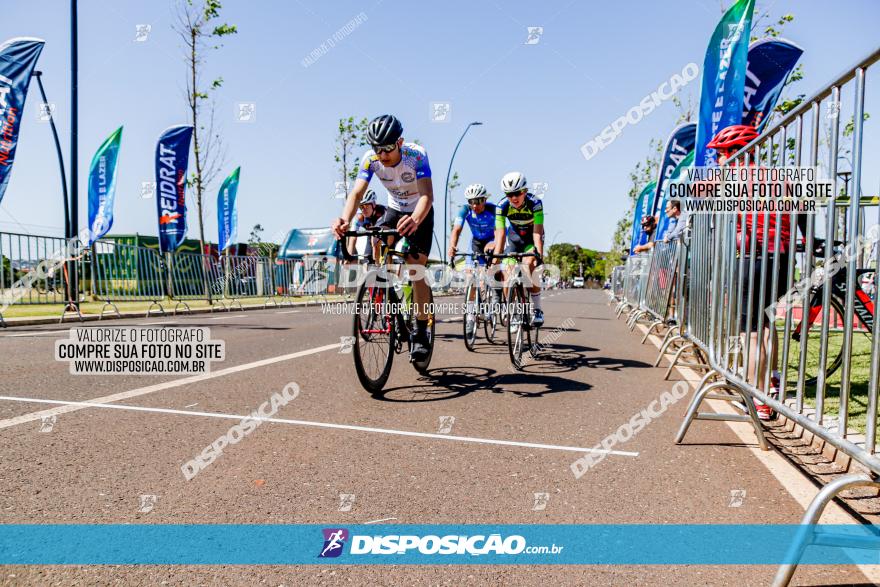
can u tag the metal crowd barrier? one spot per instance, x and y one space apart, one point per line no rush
617 277
38 270
635 280
126 273
656 303
798 356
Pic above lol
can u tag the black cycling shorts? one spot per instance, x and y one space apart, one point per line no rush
420 240
478 247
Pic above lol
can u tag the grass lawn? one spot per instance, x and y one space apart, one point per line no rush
859 376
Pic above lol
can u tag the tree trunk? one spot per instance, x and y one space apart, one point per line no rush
194 107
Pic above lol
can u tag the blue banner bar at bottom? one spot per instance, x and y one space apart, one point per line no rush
621 544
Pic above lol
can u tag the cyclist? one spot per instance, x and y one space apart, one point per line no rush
525 213
727 142
480 217
404 171
369 212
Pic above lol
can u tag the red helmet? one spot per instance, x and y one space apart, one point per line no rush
734 137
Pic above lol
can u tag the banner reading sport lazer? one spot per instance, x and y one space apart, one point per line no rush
642 203
771 61
227 213
680 143
724 77
102 186
18 57
172 157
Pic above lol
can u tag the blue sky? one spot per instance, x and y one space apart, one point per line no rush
539 102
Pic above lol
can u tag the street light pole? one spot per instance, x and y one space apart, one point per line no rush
74 131
38 75
446 191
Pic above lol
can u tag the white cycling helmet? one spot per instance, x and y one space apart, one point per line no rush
369 197
474 191
513 182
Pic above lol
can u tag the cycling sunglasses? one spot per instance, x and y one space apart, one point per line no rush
384 148
480 200
516 194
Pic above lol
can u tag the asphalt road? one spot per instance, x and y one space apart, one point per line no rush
95 463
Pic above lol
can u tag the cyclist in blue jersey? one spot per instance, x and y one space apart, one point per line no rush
480 218
404 171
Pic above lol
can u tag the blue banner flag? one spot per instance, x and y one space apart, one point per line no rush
172 156
724 77
680 143
642 209
102 186
771 61
18 57
227 213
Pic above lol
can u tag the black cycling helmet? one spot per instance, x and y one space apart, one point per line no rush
384 130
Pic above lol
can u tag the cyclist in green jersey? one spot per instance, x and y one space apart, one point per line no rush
525 233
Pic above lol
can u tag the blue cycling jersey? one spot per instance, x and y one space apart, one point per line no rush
482 225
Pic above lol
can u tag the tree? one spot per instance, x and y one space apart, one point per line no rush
644 172
256 236
199 31
350 134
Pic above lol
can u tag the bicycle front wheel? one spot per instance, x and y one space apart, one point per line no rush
422 366
518 335
469 318
490 324
374 335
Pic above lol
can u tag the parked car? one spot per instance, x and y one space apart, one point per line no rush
577 282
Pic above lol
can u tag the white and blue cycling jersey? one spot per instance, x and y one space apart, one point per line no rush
401 181
482 225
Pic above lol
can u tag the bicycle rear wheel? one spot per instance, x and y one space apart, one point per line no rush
518 334
374 334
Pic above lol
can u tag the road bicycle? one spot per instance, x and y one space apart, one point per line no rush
811 320
480 304
521 335
384 318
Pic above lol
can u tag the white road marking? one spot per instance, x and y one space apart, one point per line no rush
192 405
289 312
40 333
81 405
223 317
382 520
73 407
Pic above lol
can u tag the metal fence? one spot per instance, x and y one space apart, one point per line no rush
37 270
778 308
617 279
126 273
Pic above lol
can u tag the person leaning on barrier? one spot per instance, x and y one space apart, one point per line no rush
677 223
727 142
646 241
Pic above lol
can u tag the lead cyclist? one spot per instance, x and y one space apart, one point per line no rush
404 171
